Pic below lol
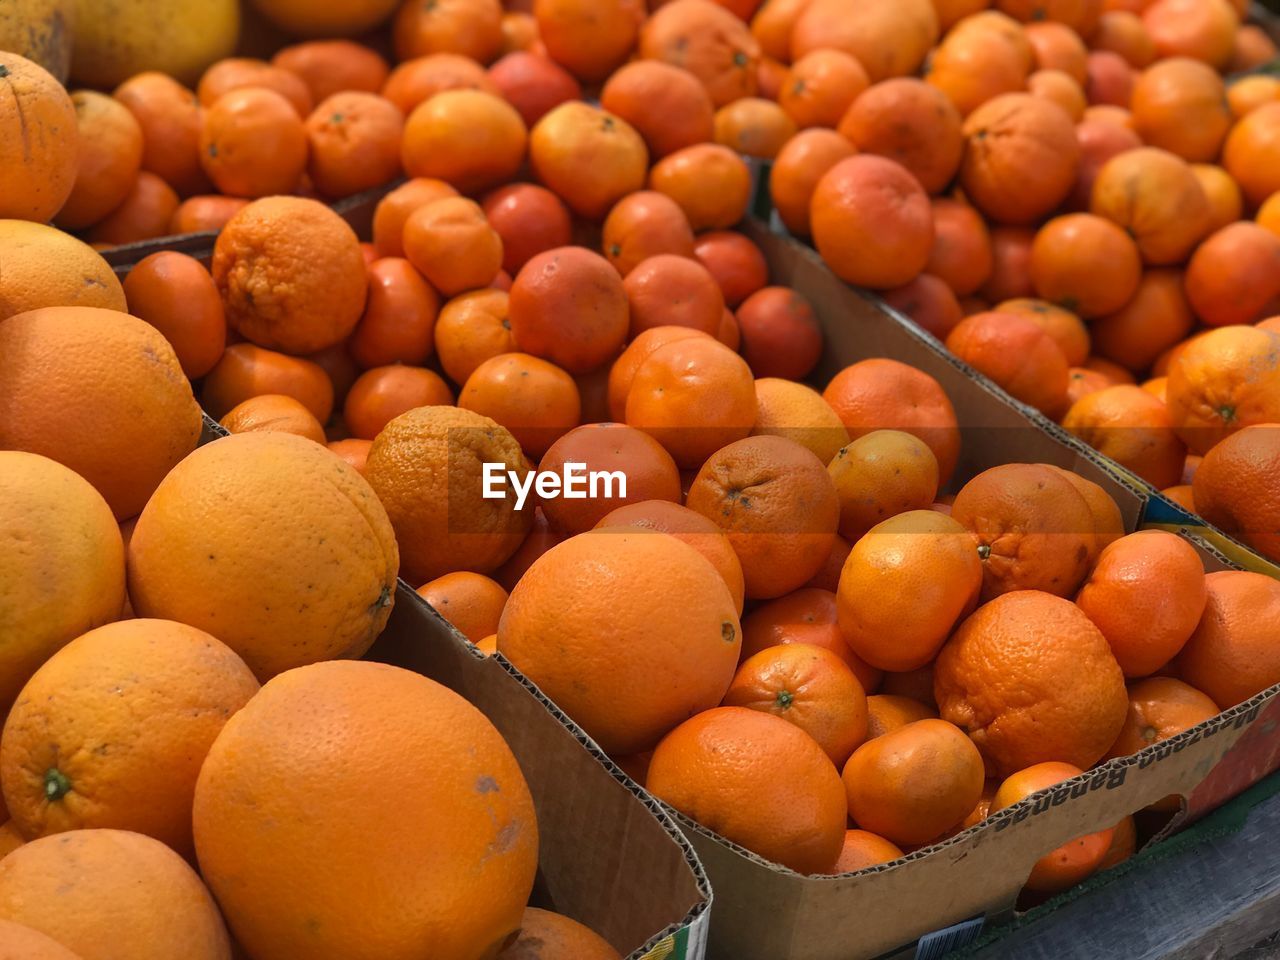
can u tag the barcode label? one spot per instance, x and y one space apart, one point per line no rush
938 944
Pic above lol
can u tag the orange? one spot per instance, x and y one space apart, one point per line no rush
24 943
709 181
880 475
110 157
547 936
1100 140
1234 275
806 616
1157 318
590 38
175 294
1254 47
332 610
1033 529
1063 327
399 319
1132 427
1222 382
354 143
781 336
929 303
668 517
671 290
888 712
1226 202
736 263
253 143
642 225
451 243
890 38
792 410
623 372
880 394
536 400
291 274
1155 196
158 692
1251 92
904 588
472 28
674 606
145 214
912 123
666 105
1122 32
418 80
772 25
976 63
273 411
820 86
1160 708
962 255
52 518
1018 132
568 306
1010 265
1070 863
1057 46
862 850
247 371
1235 487
205 213
102 393
529 219
1086 264
352 451
255 828
649 471
1229 657
808 686
41 149
777 504
1108 524
471 329
799 165
1110 84
757 781
1180 105
381 394
693 396
587 157
913 784
74 886
754 127
471 602
169 116
708 41
533 84
1146 595
241 73
1017 353
471 139
333 66
1083 381
44 267
1202 29
871 222
393 210
1030 678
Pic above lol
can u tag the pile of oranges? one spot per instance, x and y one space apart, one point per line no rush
798 625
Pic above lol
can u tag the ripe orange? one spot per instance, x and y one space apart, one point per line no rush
862 850
754 127
470 601
1180 105
398 322
472 28
41 148
1203 29
175 294
1086 264
962 254
904 588
333 66
910 122
1250 153
247 371
1226 201
253 143
170 118
674 606
587 157
205 213
533 84
1156 197
806 616
1157 318
529 219
781 337
110 157
548 936
381 394
273 411
354 143
756 780
708 41
24 943
792 410
1222 382
820 86
352 451
591 38
799 165
913 784
710 182
880 475
471 139
471 329
1017 353
242 73
1234 275
1228 657
738 265
1235 487
888 37
887 712
1133 428
536 400
255 827
668 106
1030 678
1160 708
452 244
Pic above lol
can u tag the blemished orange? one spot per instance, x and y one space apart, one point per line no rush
669 517
756 780
273 411
672 290
472 28
23 943
175 294
708 41
905 586
99 391
446 525
1160 708
1229 657
710 182
534 399
333 66
602 449
1146 594
158 692
1180 105
910 122
471 329
1030 678
381 394
354 143
880 475
587 157
887 712
1064 327
1155 196
246 371
549 936
170 117
52 516
792 410
799 165
1131 426
913 784
1032 528
807 686
863 849
1070 863
1235 488
1085 264
872 222
324 733
820 86
694 396
674 606
807 616
73 886
568 306
451 243
471 602
253 143
41 151
110 157
471 139
777 504
1018 354
1222 382
288 609
884 394
668 107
